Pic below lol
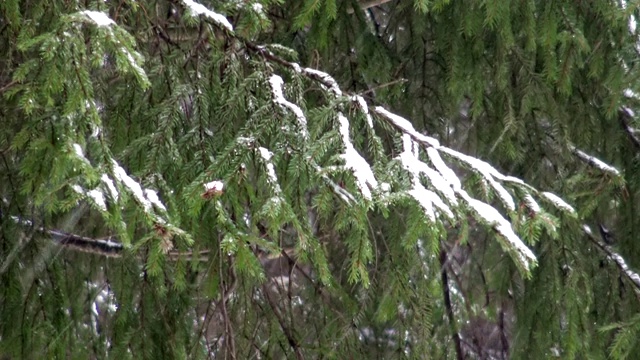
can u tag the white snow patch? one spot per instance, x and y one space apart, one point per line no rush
531 203
100 18
214 186
443 169
138 192
113 191
276 83
133 63
558 202
96 195
426 198
416 167
199 9
354 161
591 160
488 172
152 195
78 150
487 212
271 173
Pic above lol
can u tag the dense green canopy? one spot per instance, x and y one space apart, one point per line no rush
319 179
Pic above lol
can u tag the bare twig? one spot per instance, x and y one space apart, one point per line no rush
447 303
285 329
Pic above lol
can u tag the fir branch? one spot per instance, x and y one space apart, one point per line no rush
633 276
625 115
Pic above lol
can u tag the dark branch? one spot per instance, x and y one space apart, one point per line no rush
447 304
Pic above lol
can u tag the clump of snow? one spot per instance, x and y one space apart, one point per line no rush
133 63
448 174
100 18
354 161
199 9
132 185
276 83
78 150
214 186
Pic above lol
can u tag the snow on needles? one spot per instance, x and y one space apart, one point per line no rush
489 214
364 108
276 83
214 186
100 18
199 9
271 172
489 173
354 161
416 167
593 161
558 202
146 197
96 195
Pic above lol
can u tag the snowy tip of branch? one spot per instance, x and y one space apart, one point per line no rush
199 9
99 18
355 162
531 203
492 217
276 83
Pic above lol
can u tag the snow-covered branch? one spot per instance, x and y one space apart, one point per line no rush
633 276
595 162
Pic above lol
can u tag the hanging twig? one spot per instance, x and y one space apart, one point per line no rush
447 303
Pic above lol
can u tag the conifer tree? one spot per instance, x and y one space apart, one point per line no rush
319 179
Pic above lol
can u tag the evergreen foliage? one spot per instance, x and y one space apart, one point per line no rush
312 179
